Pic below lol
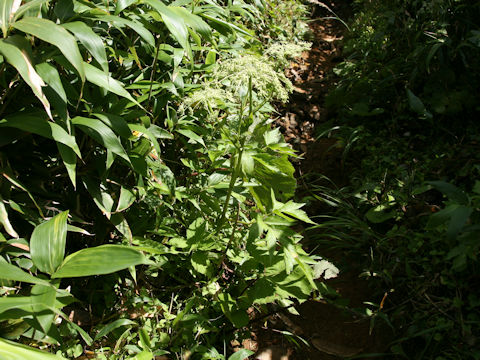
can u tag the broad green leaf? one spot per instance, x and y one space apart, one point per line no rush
116 123
100 78
144 355
12 272
90 40
30 5
114 325
54 34
7 9
175 23
121 225
99 260
43 299
452 192
6 221
10 350
193 21
241 354
14 50
40 126
417 105
102 134
47 243
122 5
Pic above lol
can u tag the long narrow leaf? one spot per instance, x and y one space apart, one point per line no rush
14 50
99 260
90 40
99 78
38 125
28 6
14 273
55 91
54 34
14 351
175 23
102 134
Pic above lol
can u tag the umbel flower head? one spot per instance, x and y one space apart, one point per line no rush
267 83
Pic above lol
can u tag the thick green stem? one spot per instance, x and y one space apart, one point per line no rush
235 171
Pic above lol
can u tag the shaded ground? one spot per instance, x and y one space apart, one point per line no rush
331 330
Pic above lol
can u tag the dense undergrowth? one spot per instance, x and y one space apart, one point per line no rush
406 115
145 198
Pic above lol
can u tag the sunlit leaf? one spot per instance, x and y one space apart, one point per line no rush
100 78
6 221
54 34
99 260
90 40
114 325
12 272
10 350
47 243
14 50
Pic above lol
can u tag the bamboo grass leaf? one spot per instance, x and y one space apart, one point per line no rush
47 244
99 78
54 34
90 40
14 50
37 125
101 133
99 260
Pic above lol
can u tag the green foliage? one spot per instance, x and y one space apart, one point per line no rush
406 111
146 147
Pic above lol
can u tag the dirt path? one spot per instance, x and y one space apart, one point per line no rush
332 331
